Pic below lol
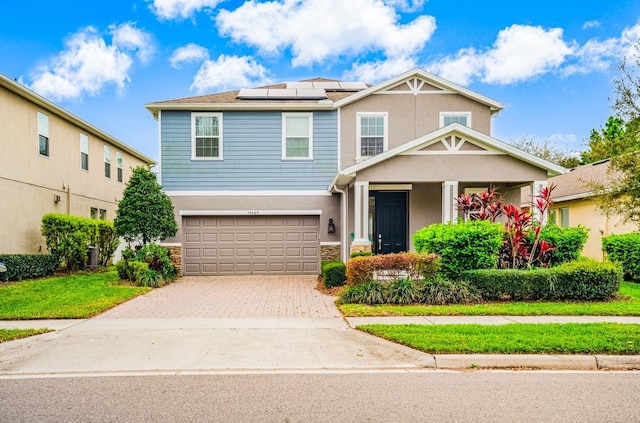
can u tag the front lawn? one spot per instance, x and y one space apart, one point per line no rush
76 296
13 334
627 305
552 338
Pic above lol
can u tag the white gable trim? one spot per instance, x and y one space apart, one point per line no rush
460 130
428 77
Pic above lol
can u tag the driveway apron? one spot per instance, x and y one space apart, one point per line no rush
212 324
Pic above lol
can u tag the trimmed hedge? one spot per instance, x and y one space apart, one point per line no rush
626 250
583 280
361 270
361 254
567 242
333 273
462 246
27 266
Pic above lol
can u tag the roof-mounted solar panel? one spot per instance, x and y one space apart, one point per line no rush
300 84
353 86
253 94
311 94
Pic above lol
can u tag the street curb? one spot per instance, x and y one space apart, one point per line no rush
537 362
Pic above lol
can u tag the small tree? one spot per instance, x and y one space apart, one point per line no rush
145 212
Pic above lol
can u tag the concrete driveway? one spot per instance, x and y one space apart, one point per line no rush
211 324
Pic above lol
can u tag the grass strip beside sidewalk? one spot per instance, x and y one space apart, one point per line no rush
13 334
76 296
550 338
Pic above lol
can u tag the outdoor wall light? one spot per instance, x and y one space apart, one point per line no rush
56 198
331 228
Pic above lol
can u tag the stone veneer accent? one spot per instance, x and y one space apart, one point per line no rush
330 253
175 254
360 248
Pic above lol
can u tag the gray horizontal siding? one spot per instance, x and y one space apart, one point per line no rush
252 152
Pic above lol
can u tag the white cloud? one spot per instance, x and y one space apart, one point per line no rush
127 36
88 63
519 53
590 24
230 72
180 9
188 54
318 30
373 72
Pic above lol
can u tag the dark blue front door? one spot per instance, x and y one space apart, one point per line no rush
390 223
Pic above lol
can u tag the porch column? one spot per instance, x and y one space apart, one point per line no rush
361 217
449 193
534 189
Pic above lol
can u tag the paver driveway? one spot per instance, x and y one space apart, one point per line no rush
264 296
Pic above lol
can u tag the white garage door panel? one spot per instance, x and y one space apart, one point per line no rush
235 245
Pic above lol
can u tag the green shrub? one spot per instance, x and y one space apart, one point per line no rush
567 242
412 266
157 257
461 246
583 280
368 293
361 254
27 266
442 292
402 291
137 269
150 278
333 273
626 250
105 240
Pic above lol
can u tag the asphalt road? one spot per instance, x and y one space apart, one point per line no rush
434 396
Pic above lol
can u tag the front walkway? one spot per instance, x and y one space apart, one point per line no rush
236 297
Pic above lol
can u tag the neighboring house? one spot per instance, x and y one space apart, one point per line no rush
275 179
54 162
574 205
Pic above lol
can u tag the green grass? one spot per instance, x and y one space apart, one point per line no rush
627 305
552 338
12 334
76 296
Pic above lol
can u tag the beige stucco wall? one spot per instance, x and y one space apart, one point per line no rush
29 181
409 117
584 212
495 169
329 205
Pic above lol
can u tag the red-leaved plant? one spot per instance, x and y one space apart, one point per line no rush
517 252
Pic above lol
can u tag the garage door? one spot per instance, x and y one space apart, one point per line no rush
242 245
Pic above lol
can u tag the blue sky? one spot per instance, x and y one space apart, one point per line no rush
550 62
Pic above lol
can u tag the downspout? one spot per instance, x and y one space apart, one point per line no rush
344 218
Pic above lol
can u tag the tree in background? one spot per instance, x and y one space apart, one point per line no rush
145 213
548 151
610 141
622 197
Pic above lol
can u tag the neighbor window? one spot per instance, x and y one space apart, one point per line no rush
103 214
553 217
297 135
119 165
206 136
372 134
564 217
107 161
43 134
93 213
84 152
463 118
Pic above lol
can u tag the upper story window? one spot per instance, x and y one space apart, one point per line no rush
43 134
297 136
84 152
107 161
463 118
119 165
372 134
206 136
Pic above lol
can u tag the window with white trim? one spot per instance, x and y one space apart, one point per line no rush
107 161
43 134
84 152
564 217
119 165
297 136
206 136
447 118
372 134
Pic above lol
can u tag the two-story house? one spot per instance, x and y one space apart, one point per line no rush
274 179
54 162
